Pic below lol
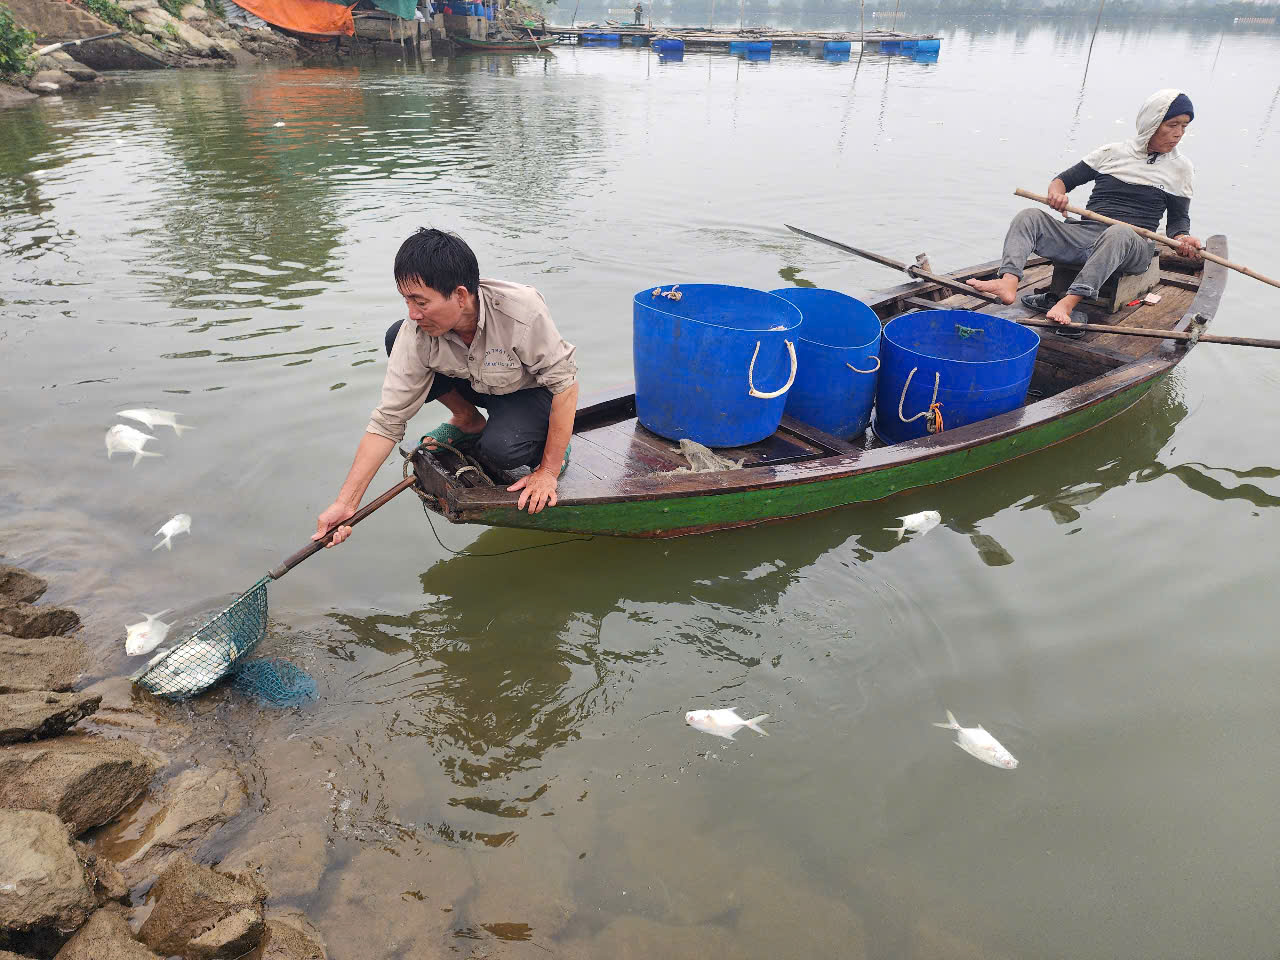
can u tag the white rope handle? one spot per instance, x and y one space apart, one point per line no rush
902 399
751 374
872 370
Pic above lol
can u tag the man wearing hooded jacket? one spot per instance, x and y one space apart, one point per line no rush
1138 181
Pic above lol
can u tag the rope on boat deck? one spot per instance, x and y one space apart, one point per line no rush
430 503
934 413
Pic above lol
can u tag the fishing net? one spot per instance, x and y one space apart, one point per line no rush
703 459
274 681
218 649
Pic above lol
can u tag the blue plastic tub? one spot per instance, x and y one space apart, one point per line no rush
980 365
757 55
714 365
668 45
737 46
838 357
836 46
759 46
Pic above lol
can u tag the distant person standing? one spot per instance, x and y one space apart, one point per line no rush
639 12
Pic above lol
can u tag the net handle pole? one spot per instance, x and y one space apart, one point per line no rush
316 545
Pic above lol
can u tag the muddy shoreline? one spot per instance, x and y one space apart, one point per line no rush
110 803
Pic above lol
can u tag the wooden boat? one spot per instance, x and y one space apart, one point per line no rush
620 481
503 46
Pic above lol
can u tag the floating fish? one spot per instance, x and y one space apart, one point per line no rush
146 636
155 418
723 723
189 668
920 523
978 743
122 439
181 523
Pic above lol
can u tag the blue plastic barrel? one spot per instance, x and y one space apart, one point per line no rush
836 57
907 46
926 46
737 46
668 45
890 46
715 364
836 46
838 357
759 46
979 365
672 56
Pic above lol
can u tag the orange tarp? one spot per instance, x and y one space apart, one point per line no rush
317 17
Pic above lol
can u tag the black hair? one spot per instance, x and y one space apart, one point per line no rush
439 260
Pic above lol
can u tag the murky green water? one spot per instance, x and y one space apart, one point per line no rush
497 764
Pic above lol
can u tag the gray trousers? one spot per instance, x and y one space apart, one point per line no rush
1098 249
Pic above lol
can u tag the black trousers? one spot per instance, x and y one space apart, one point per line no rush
517 430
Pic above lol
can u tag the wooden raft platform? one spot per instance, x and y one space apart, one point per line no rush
701 37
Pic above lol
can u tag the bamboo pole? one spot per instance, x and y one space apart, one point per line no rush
1096 24
1149 234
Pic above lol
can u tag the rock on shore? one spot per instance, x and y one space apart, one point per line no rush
84 780
45 894
61 899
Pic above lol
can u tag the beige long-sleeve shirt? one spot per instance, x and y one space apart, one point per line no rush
516 346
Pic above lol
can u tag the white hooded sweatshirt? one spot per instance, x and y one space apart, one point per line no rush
1130 161
1135 185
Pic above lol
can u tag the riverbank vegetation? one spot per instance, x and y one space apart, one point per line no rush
15 45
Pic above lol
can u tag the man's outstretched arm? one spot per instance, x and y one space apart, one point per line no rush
370 455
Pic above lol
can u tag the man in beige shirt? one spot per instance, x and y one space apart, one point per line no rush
469 343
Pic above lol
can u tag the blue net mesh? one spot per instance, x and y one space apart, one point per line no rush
218 648
274 681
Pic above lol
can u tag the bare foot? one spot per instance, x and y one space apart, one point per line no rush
1006 288
1058 314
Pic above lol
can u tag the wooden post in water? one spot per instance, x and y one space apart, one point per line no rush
711 24
862 24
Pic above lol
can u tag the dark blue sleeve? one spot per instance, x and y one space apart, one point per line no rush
1179 215
1074 176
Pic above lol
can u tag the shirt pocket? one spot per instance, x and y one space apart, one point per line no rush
501 371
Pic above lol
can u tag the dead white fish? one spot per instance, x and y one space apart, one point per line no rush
123 439
723 723
918 523
189 668
146 636
155 418
978 743
181 523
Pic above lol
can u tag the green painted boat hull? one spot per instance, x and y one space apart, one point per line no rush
679 515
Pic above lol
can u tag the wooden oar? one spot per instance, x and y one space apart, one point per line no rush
960 287
1149 234
909 268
